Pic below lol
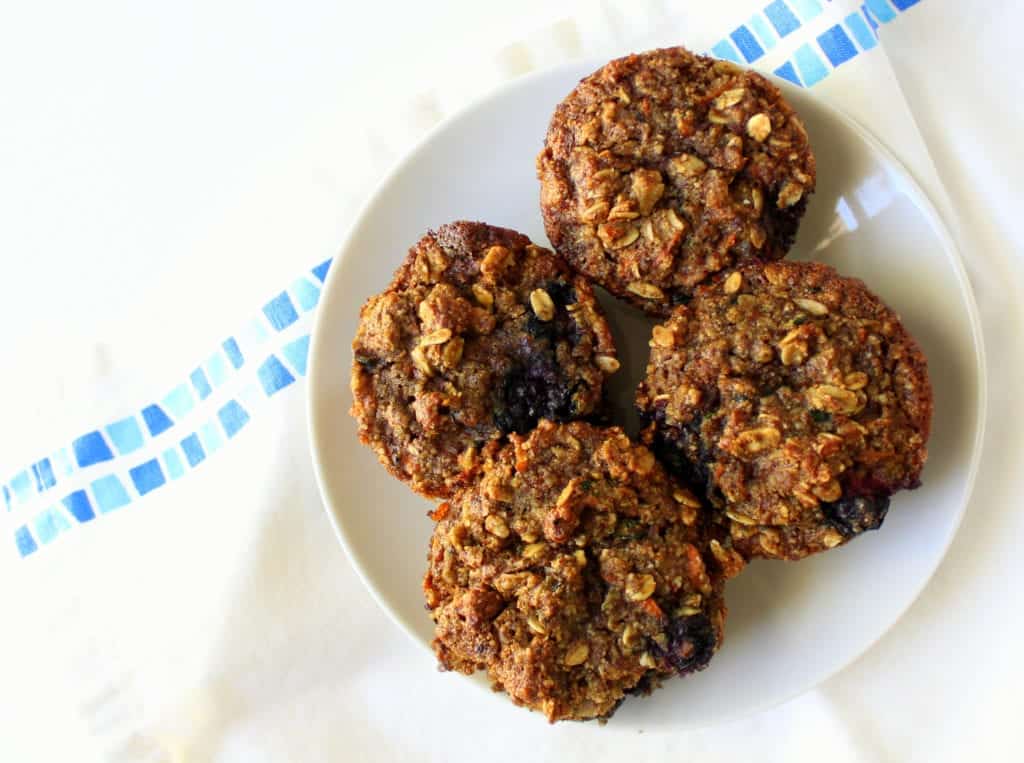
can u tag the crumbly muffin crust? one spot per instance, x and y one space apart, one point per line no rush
575 572
663 168
796 398
480 334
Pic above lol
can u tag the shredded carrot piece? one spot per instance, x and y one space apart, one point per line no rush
651 607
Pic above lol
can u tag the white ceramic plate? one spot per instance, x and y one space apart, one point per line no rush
790 625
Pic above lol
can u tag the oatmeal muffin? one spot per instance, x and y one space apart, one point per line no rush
480 334
796 398
575 571
663 168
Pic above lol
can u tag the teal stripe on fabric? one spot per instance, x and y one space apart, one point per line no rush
172 462
861 31
725 49
210 434
49 524
179 401
217 369
763 31
812 70
806 9
787 72
882 10
63 461
109 493
306 294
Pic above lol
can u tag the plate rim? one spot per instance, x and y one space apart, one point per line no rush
923 201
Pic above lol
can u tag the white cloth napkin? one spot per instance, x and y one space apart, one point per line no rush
168 173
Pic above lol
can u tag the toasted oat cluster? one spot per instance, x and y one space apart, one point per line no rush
795 398
481 333
575 571
664 168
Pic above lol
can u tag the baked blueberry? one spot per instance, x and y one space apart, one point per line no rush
480 334
795 399
575 571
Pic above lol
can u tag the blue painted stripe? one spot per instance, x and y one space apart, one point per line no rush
747 44
126 435
21 484
231 350
812 70
62 459
46 529
109 493
280 312
147 476
881 10
782 18
232 417
48 524
156 420
296 353
179 401
274 376
320 271
172 462
77 504
211 437
806 9
216 369
24 541
864 36
194 451
306 294
43 472
871 19
198 379
91 449
763 31
724 49
837 45
903 5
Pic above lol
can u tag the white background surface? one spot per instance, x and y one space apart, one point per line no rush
164 169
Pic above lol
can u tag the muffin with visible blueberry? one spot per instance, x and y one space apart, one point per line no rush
797 401
575 572
480 334
663 168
